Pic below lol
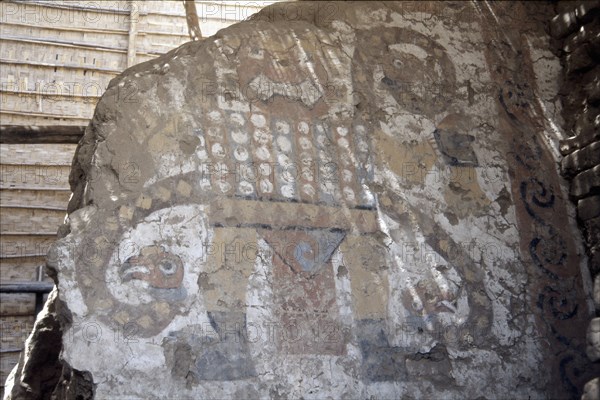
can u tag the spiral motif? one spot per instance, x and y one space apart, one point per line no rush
573 372
556 304
534 192
548 251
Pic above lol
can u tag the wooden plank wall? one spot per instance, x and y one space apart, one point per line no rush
34 191
57 58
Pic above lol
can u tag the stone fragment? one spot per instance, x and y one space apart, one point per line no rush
587 10
587 119
579 59
588 208
591 390
589 133
563 24
585 182
580 160
593 340
584 35
589 81
592 231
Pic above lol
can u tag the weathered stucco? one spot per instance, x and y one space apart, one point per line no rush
333 200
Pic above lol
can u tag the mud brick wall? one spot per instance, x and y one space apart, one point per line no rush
576 33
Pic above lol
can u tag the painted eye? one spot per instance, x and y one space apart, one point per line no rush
167 267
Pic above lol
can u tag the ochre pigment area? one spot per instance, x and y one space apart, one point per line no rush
331 200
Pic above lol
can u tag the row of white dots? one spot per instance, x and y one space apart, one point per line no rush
284 145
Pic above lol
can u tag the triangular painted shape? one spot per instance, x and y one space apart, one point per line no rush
304 251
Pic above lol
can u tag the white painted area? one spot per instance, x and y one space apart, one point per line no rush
410 48
181 230
513 353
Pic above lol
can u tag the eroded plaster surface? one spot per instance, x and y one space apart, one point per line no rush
358 202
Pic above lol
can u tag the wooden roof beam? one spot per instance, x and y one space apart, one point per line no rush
31 134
